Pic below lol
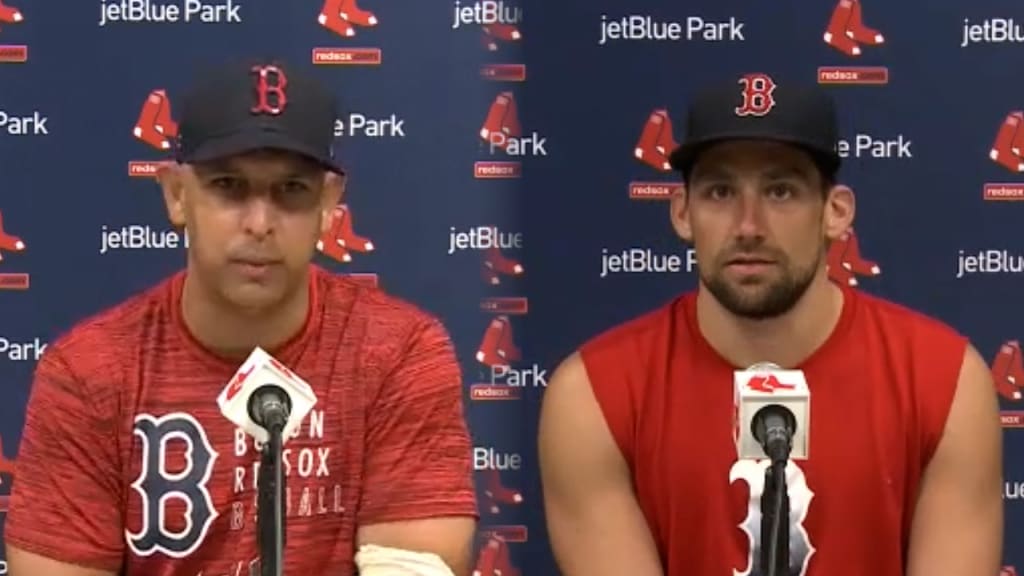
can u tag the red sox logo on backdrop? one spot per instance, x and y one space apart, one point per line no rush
11 244
1008 377
499 25
343 18
157 128
845 262
8 52
1007 151
847 33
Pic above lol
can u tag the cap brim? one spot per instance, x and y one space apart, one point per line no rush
245 141
683 157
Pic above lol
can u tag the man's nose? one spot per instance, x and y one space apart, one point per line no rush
750 215
258 216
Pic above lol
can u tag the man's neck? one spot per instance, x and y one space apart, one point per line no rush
786 341
231 333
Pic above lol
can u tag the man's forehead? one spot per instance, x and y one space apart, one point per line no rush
263 161
760 158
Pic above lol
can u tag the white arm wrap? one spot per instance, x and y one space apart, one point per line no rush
381 561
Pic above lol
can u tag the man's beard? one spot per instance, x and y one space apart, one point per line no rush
766 301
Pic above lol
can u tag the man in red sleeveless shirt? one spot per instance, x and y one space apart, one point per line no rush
126 465
637 456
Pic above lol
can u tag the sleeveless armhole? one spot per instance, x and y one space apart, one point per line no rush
939 357
606 364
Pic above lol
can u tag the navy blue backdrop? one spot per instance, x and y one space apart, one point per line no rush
507 174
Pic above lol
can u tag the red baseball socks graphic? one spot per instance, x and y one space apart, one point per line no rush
9 242
846 29
1006 150
155 126
503 118
1008 371
845 262
497 493
499 32
339 16
497 347
9 14
495 560
495 264
656 141
341 238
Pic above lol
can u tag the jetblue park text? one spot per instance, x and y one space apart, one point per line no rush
485 12
637 27
223 12
989 262
992 31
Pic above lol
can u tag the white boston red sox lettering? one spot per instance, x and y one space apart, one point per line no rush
801 549
155 11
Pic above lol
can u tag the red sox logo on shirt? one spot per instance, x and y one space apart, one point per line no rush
758 95
157 487
801 549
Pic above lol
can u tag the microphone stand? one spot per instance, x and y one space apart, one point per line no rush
270 518
775 521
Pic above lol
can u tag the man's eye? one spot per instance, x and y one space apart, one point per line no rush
780 191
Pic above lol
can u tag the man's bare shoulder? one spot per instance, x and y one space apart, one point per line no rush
636 331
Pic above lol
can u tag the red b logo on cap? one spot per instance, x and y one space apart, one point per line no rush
757 95
270 84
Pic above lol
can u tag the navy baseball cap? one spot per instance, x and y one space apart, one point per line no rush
756 107
240 107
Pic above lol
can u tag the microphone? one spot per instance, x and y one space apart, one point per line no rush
264 396
268 401
772 413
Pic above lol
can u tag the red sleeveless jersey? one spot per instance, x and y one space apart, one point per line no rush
126 463
881 387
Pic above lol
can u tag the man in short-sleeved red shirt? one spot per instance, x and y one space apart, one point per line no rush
126 465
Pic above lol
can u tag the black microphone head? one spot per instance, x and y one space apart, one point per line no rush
268 399
774 417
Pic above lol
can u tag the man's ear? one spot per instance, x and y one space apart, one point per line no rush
680 214
171 177
840 208
334 191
